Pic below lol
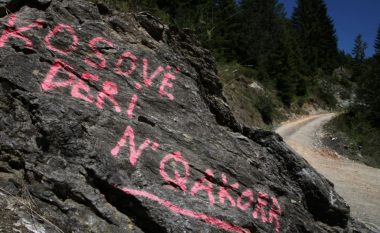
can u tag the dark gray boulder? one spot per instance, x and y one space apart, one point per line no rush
113 122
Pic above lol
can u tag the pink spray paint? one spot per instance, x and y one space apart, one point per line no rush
49 83
102 61
57 29
134 154
11 31
178 180
204 185
176 209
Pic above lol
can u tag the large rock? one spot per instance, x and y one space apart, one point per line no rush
114 122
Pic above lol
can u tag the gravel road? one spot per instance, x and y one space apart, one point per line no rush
358 184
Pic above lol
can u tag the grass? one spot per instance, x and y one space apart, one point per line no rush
26 201
255 106
362 137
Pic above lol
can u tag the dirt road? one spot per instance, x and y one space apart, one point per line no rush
358 184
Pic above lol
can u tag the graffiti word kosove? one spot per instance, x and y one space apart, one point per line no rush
254 204
78 83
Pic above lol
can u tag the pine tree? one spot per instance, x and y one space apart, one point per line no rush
225 29
288 72
268 43
214 22
377 43
169 6
316 34
358 53
368 98
359 49
258 30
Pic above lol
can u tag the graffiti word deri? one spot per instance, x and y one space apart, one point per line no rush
259 205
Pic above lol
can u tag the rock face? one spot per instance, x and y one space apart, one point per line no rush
114 122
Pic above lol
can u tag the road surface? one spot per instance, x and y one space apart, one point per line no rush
358 184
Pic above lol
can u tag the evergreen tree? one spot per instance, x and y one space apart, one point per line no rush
358 52
169 6
377 43
368 98
289 68
214 22
225 30
316 35
259 31
268 43
359 49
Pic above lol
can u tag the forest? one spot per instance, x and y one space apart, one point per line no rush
295 59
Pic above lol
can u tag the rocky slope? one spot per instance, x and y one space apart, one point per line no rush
113 122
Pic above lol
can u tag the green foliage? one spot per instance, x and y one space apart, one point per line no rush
286 90
361 135
362 121
265 106
214 21
258 32
225 39
254 105
368 98
358 52
316 35
344 59
290 68
269 44
359 49
377 43
301 86
327 97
